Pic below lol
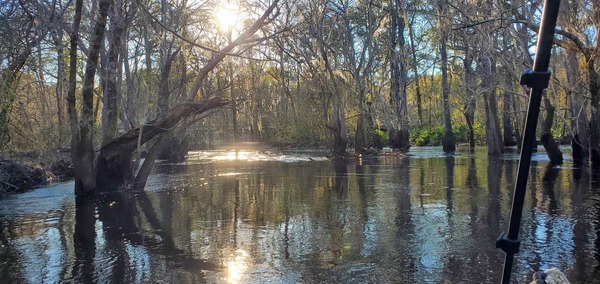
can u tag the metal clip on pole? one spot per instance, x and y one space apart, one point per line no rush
535 79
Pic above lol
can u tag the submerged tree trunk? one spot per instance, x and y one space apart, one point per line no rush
552 150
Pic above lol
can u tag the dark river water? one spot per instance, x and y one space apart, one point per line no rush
262 217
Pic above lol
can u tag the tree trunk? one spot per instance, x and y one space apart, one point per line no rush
493 135
552 150
339 129
234 112
399 135
448 141
417 76
82 148
594 85
61 82
363 126
112 93
507 109
131 119
469 107
577 107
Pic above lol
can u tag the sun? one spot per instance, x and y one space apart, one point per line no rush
226 16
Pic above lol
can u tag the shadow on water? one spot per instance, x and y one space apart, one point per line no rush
420 218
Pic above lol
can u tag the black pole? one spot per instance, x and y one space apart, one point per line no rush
537 80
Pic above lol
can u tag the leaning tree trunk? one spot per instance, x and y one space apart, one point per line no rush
114 162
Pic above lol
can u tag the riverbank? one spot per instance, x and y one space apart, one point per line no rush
22 172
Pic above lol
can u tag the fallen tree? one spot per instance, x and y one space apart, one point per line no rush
116 167
114 164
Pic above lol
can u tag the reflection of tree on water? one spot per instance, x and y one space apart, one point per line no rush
472 183
554 230
452 262
365 181
595 186
340 182
494 216
236 209
365 177
479 203
405 230
84 239
580 197
8 255
449 185
125 242
548 182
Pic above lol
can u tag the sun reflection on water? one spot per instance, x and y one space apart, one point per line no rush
237 267
234 155
252 156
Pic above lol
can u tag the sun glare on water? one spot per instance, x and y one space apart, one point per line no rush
236 268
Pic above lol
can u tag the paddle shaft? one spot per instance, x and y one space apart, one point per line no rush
537 81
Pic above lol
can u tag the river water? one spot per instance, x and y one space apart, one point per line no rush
295 217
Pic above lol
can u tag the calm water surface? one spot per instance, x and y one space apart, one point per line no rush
256 217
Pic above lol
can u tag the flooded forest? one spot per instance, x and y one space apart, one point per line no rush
292 141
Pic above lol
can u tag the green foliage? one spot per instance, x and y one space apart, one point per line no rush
461 132
479 129
432 136
428 136
383 135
